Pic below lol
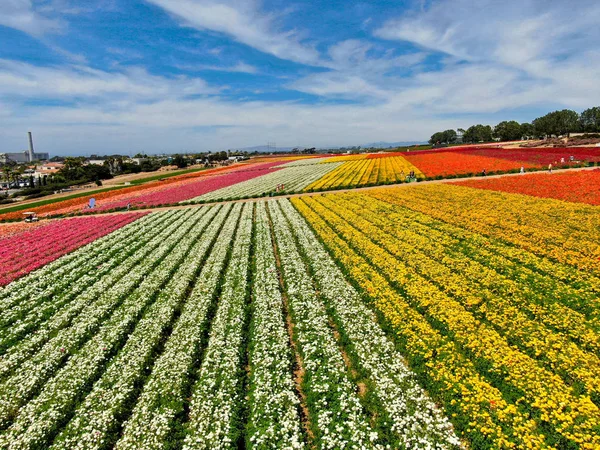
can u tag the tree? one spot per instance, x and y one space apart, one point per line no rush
527 131
589 120
557 123
508 131
446 137
478 133
180 161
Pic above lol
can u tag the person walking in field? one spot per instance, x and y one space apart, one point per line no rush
550 168
522 169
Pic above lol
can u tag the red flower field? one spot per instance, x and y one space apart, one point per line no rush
573 186
540 156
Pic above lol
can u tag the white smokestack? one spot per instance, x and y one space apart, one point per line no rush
30 146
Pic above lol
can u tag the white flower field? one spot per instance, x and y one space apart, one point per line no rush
207 328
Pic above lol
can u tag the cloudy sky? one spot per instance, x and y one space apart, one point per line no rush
107 76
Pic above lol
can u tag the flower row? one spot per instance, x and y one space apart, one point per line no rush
413 419
96 419
365 172
153 420
215 406
31 249
286 180
444 301
91 344
579 187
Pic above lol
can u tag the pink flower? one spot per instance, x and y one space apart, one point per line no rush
33 248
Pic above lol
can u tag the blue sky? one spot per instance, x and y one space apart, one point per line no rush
121 76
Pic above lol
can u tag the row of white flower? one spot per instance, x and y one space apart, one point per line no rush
45 301
86 304
413 417
40 419
153 420
305 162
215 408
100 328
96 420
273 418
54 276
293 179
336 414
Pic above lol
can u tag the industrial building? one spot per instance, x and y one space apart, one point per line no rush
25 156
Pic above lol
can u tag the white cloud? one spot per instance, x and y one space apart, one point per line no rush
498 57
245 22
509 33
21 15
240 67
210 124
504 54
26 80
340 85
356 73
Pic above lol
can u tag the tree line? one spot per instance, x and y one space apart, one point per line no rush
556 123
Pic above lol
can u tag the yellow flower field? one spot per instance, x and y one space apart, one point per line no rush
493 299
366 172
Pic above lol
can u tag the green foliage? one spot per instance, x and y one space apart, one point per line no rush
508 131
589 120
75 170
180 161
557 123
446 137
478 133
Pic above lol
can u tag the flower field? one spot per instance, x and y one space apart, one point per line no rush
444 164
498 318
292 179
236 299
168 191
429 316
366 172
472 160
579 187
32 247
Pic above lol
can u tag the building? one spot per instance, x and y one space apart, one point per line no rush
47 169
25 156
22 157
